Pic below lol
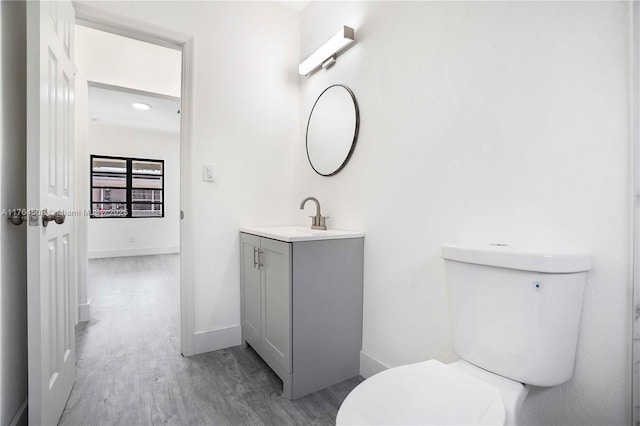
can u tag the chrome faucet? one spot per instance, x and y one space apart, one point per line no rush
318 221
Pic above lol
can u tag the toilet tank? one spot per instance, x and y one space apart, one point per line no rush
516 311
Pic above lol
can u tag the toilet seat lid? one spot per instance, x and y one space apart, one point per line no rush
426 393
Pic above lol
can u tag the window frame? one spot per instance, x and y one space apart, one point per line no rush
129 175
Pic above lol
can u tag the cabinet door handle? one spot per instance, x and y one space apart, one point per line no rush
260 258
255 257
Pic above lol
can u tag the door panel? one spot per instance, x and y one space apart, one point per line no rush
50 252
251 306
276 288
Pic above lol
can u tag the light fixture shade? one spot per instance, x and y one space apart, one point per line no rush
338 42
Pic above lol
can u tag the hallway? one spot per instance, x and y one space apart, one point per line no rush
130 371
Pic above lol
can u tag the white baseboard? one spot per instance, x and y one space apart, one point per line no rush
100 254
84 312
370 366
212 340
20 413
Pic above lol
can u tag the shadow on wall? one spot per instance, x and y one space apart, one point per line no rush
13 239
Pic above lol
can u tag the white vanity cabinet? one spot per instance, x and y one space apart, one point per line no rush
302 304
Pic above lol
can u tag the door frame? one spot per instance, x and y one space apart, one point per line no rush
99 19
634 129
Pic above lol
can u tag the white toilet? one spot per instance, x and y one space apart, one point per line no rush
515 318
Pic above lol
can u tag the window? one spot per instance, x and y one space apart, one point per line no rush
126 187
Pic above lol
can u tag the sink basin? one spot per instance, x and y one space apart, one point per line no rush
292 234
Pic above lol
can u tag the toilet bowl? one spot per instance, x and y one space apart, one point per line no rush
433 393
515 317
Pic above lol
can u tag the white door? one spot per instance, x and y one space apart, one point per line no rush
50 251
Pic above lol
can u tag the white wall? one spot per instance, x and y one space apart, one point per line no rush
490 121
110 237
13 239
121 61
245 124
484 121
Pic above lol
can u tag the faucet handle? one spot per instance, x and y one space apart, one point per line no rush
320 223
323 223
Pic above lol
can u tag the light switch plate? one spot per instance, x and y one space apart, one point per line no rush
207 173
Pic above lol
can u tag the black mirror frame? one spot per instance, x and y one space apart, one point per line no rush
355 133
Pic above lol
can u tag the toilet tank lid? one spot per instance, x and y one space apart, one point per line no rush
515 257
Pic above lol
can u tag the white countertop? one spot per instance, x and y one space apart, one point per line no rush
292 234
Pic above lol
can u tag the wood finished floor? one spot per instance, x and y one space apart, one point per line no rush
130 371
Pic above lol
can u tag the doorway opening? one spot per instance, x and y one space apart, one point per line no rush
58 269
180 89
128 180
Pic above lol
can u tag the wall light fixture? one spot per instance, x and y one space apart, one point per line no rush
325 56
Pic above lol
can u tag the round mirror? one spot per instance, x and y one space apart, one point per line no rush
332 130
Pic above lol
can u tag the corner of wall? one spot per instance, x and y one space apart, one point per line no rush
370 366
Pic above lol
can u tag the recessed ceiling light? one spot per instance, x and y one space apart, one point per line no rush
139 105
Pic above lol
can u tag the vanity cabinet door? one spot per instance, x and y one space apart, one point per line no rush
276 301
251 290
